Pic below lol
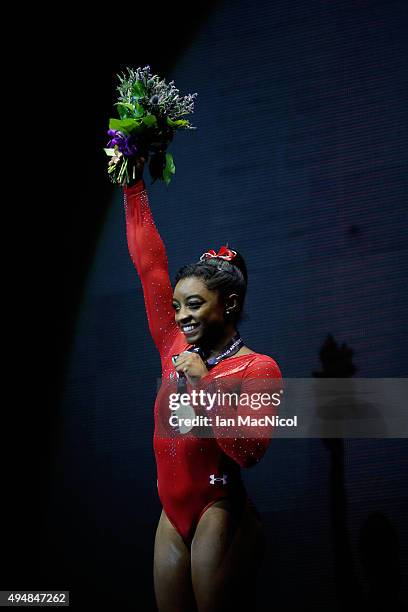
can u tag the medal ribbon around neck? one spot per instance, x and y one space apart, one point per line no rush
185 410
230 349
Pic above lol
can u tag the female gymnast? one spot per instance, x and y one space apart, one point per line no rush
209 540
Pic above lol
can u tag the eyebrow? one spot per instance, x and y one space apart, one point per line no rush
195 295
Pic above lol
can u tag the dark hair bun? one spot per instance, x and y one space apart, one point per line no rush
239 262
224 264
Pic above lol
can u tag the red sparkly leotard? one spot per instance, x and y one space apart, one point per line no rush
193 472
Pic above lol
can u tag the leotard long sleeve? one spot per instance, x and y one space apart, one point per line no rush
149 257
193 472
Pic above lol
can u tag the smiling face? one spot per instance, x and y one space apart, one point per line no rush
199 312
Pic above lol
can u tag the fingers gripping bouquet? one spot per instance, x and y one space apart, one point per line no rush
150 112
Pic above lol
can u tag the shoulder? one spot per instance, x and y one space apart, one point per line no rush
262 366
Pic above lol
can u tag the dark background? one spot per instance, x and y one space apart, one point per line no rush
299 161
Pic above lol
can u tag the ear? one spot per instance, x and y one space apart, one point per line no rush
231 305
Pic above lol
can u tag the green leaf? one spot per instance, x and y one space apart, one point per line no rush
178 123
150 120
139 111
138 89
110 152
130 111
125 110
169 168
127 126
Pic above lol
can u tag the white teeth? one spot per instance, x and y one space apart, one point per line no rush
188 328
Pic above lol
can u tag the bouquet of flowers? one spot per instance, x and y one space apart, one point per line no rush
150 112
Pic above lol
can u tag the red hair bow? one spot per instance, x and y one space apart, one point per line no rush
224 253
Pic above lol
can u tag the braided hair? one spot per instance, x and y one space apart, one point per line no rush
220 275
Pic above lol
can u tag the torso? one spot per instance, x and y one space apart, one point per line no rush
193 472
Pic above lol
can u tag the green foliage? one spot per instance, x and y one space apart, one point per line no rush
169 168
127 126
149 111
139 111
178 123
150 120
125 110
138 89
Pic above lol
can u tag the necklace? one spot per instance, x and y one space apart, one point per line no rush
232 347
185 410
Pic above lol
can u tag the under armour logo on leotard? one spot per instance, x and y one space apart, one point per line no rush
213 479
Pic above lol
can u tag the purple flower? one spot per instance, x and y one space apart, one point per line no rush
126 144
116 138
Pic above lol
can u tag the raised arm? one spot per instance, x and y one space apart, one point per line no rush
148 254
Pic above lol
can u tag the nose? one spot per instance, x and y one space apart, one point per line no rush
182 316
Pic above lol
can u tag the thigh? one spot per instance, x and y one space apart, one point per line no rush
172 570
226 553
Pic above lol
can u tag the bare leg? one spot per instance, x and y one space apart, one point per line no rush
226 553
172 570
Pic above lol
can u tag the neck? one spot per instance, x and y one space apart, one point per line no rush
217 345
